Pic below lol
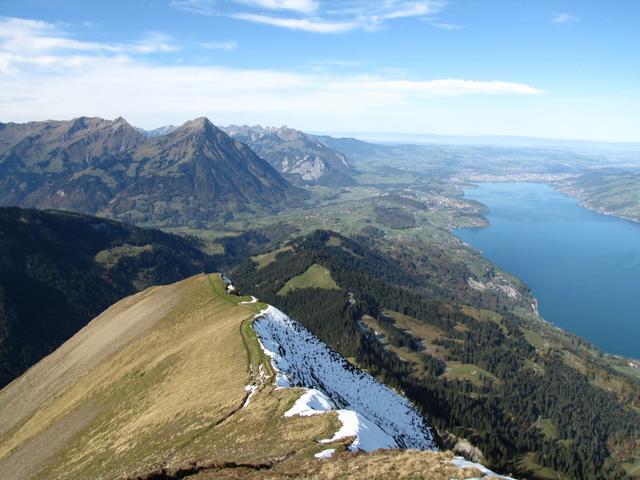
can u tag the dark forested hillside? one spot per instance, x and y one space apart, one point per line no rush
58 270
526 407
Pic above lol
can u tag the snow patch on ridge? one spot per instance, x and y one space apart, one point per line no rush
252 389
312 402
368 435
325 453
374 414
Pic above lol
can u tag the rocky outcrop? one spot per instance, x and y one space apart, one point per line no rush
298 156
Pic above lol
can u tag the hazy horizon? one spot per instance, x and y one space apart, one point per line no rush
558 70
400 137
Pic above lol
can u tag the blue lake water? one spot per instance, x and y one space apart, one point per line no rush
582 266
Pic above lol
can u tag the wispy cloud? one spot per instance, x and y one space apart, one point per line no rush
227 46
151 42
328 16
330 64
200 7
303 6
37 43
304 24
445 25
441 87
559 18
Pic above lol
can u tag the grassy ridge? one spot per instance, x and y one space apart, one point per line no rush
156 386
171 392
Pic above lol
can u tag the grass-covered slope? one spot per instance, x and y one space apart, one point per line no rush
59 270
316 276
156 388
537 402
379 465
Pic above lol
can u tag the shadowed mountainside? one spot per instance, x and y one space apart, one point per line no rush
58 270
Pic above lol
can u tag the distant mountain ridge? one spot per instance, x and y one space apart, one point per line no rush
390 138
189 176
299 156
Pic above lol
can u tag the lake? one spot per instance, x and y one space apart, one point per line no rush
582 266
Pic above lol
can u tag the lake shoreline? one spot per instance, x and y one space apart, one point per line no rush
573 193
552 180
539 286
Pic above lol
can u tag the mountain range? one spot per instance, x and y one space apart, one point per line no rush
191 175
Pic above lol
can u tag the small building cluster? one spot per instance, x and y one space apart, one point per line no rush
229 288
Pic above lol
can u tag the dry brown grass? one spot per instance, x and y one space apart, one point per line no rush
119 325
380 465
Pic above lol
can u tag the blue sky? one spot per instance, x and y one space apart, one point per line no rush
556 68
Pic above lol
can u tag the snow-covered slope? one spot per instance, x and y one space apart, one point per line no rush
374 414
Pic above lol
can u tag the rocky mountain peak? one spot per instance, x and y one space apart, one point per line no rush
198 124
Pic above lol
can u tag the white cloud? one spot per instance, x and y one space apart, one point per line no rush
150 94
213 7
559 18
304 6
304 24
110 88
25 42
328 16
151 42
445 25
227 46
330 64
440 87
